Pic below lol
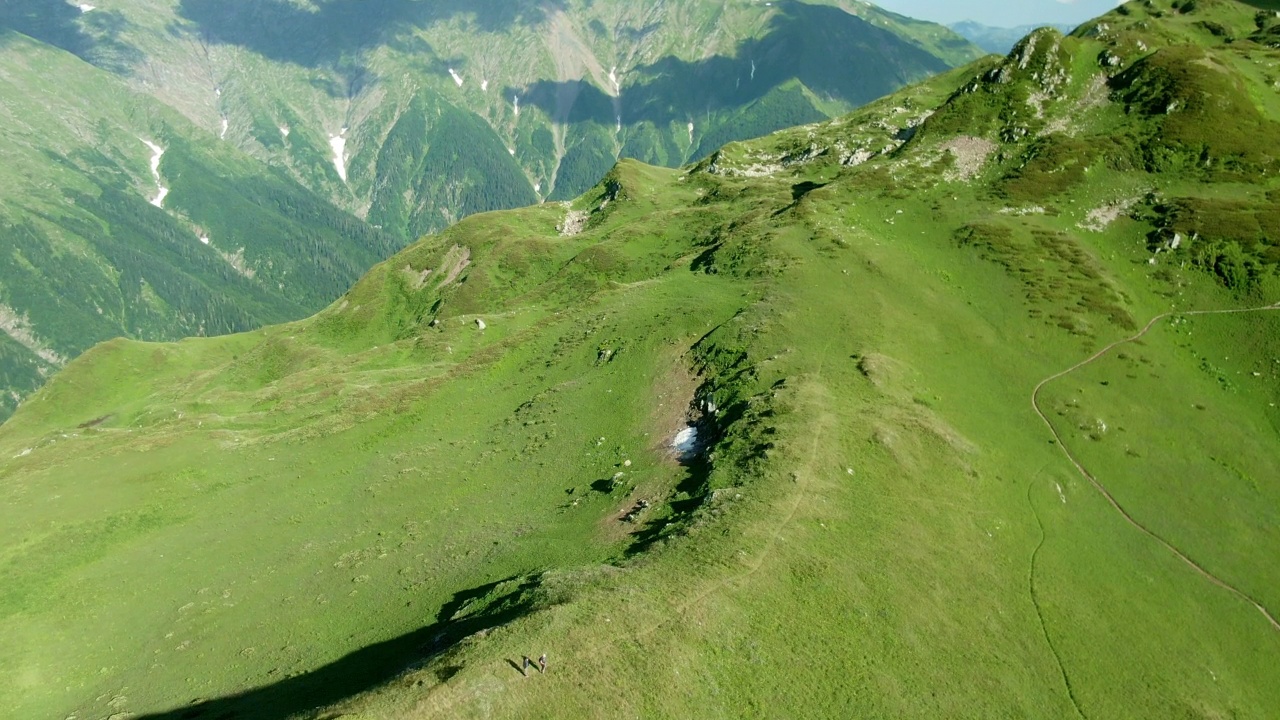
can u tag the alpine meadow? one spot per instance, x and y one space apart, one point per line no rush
956 403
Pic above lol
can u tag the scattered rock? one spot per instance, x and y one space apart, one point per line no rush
640 506
575 221
1100 218
970 155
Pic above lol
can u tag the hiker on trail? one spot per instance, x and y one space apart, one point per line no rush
527 662
542 663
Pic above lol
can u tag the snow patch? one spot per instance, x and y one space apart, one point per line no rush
204 239
84 8
613 78
157 152
456 77
515 102
284 131
691 133
225 124
484 84
685 443
339 144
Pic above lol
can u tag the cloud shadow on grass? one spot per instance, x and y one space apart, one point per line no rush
92 37
333 31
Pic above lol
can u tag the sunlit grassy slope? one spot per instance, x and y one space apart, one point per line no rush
377 512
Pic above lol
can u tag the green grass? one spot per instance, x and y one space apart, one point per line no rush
383 464
378 511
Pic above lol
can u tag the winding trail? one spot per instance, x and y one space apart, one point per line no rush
1035 601
1097 485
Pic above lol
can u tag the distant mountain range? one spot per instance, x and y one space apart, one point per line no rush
999 39
191 167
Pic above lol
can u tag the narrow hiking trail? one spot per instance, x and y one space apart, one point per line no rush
1097 485
1035 602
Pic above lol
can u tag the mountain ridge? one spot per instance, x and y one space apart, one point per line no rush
407 117
1000 39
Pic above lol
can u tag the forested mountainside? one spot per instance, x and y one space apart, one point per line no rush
961 405
360 100
118 217
287 146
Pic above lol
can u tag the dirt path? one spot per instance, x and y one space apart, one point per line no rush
1035 404
1035 601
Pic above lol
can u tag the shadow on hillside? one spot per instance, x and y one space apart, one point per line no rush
92 36
695 487
337 30
500 602
835 54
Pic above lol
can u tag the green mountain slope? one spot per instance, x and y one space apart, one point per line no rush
93 249
972 436
409 115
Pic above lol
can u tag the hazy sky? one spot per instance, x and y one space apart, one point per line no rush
1000 13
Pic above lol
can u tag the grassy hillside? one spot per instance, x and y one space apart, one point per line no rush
973 439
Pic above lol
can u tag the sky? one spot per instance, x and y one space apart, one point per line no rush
1000 13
